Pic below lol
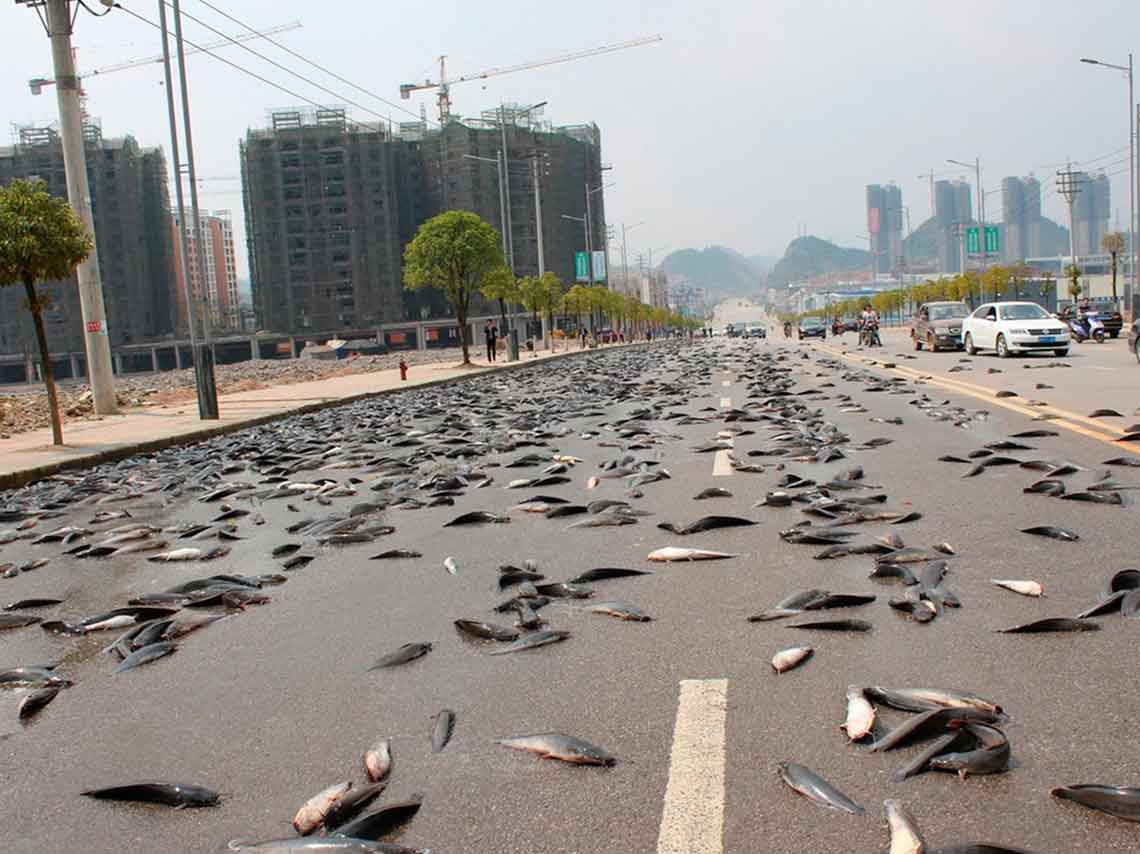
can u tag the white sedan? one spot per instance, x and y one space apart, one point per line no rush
1010 327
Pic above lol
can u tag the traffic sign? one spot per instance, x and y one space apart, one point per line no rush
991 240
581 267
973 240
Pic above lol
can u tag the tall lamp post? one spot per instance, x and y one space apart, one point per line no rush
625 229
977 167
1133 174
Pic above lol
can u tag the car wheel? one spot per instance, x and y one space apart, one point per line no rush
1002 348
916 340
970 348
930 345
1098 336
1065 352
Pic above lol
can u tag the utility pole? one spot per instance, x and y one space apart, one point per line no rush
208 392
96 343
501 167
1069 187
930 175
536 175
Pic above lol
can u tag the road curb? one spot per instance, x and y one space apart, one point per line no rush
23 477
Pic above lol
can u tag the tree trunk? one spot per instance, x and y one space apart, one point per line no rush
45 360
503 317
461 316
1114 278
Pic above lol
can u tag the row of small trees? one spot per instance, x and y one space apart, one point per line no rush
460 254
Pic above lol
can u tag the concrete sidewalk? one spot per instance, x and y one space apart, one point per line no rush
27 457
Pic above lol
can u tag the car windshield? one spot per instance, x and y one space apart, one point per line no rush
948 312
1023 311
811 321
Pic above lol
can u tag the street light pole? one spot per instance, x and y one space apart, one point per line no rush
536 175
1133 174
96 343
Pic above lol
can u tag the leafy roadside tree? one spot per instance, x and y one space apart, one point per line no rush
577 301
41 239
1048 283
454 252
500 284
1073 273
1113 244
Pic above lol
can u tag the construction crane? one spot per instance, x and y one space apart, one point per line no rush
37 84
444 84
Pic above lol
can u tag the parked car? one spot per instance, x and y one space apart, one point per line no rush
939 324
1107 312
811 327
756 330
731 331
1134 339
1009 327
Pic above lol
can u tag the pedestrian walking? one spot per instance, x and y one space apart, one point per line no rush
489 339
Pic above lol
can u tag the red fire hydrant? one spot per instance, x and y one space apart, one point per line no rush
403 370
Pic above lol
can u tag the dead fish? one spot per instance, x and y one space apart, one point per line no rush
1095 497
374 825
451 566
1052 532
190 554
817 790
1053 624
31 677
603 520
1025 588
312 813
170 794
905 835
621 610
921 761
442 731
706 523
17 621
396 553
790 605
1105 413
712 492
33 702
893 572
556 745
477 517
1132 462
838 600
532 640
1126 579
297 561
675 553
1045 487
407 652
1109 605
1118 801
925 699
919 610
793 656
378 760
990 757
928 724
148 653
562 590
564 510
285 549
606 573
860 719
351 803
486 631
834 625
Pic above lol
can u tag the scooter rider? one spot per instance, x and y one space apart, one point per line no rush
868 325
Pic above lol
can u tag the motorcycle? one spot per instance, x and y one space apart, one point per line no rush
869 334
1086 326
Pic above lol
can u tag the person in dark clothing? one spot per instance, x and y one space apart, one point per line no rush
489 337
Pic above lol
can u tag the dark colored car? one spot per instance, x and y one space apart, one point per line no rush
1134 339
756 330
811 327
1109 315
938 324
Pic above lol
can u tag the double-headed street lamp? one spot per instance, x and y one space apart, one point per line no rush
977 167
1133 168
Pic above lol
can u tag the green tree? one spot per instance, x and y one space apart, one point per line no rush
1113 244
577 301
997 279
41 239
500 284
1048 283
454 252
1073 273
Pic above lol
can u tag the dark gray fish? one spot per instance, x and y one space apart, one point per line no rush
31 677
396 553
925 699
1105 413
378 823
806 782
169 794
1045 487
17 621
1126 579
33 702
1035 434
1095 497
565 748
145 655
1132 462
839 600
893 572
1109 605
352 803
712 492
926 725
790 605
486 631
834 625
706 523
408 652
563 510
919 610
605 573
1053 624
21 604
297 561
477 517
921 762
286 549
990 757
533 640
563 590
1117 801
443 729
1052 532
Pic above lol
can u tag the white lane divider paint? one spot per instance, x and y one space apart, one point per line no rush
726 403
692 821
722 464
726 383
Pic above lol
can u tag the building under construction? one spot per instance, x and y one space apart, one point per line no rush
330 205
130 199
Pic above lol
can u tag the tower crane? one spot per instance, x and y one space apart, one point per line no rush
444 84
37 84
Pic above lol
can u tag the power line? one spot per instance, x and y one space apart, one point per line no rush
308 61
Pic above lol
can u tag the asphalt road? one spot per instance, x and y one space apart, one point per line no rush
275 703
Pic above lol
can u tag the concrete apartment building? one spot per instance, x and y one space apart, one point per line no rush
330 205
1092 209
885 227
952 211
216 282
130 198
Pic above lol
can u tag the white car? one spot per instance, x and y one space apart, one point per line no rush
1010 327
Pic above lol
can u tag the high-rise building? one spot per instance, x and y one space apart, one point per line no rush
131 204
885 226
1021 215
216 283
1091 212
952 211
330 205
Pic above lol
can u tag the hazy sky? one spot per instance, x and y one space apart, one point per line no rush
750 121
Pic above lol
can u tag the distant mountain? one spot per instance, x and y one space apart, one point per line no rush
807 257
922 245
718 268
763 262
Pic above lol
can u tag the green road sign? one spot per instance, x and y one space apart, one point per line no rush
973 240
991 240
581 266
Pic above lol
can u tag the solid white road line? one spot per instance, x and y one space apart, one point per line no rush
726 403
692 821
722 465
726 383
